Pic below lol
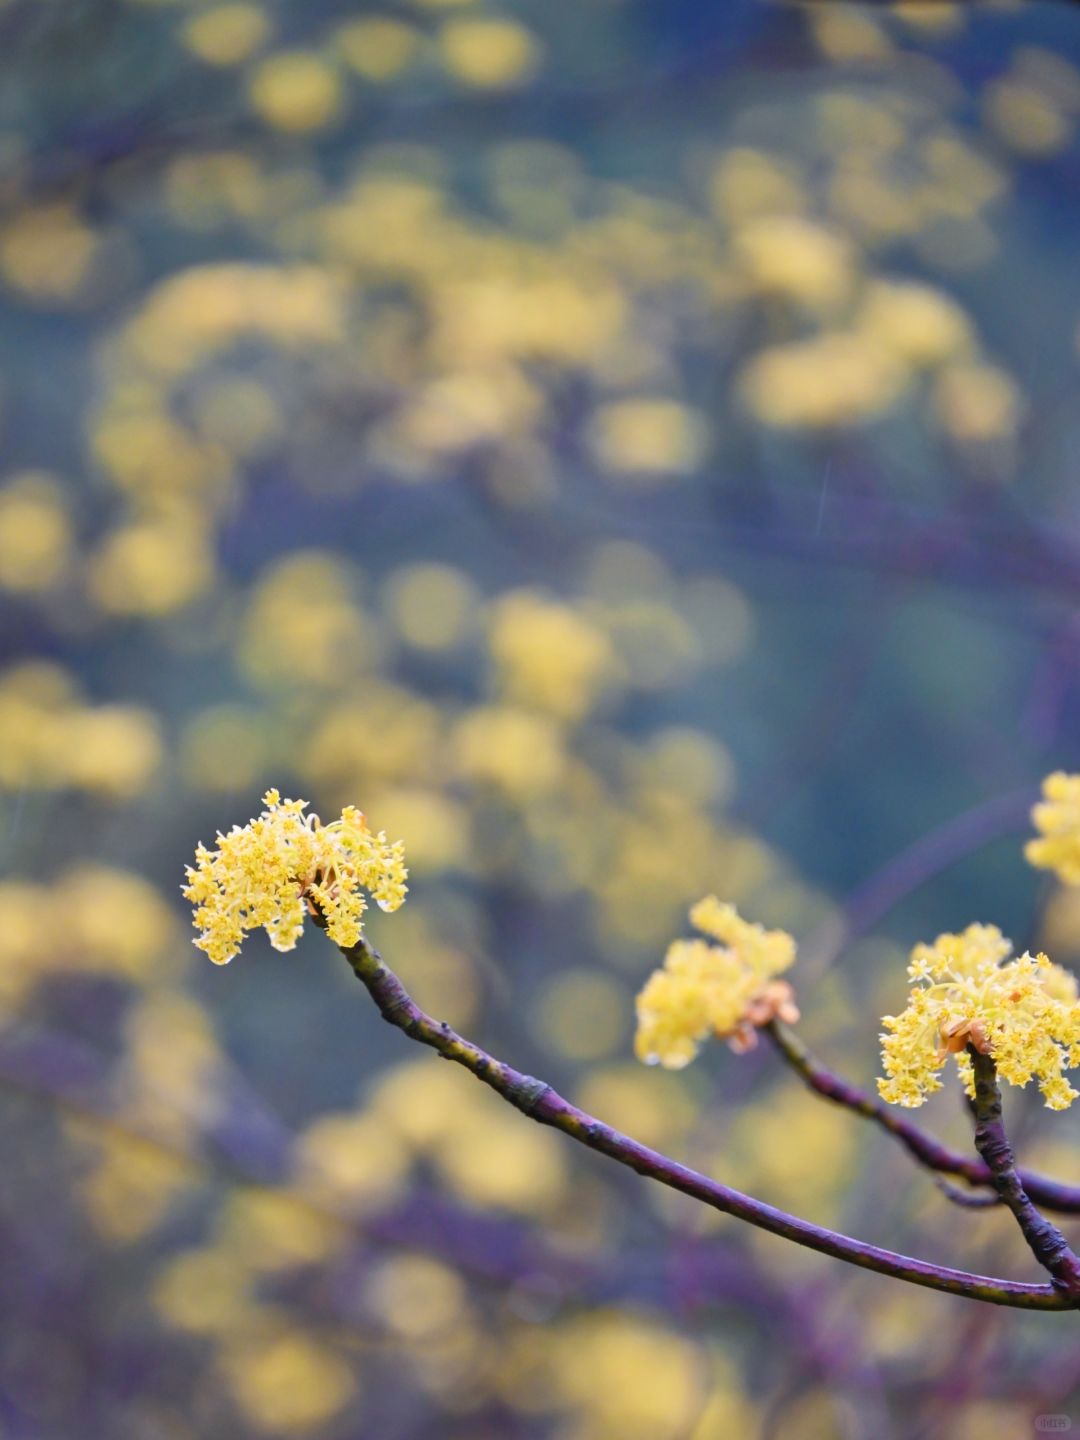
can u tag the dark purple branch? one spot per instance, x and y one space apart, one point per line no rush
925 1148
541 1103
1047 1243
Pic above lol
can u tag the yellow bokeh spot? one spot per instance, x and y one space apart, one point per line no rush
131 1186
648 437
628 1376
443 980
489 54
239 415
919 325
431 606
351 1161
205 1292
548 655
51 739
848 36
207 308
114 749
287 1383
417 1296
35 534
830 380
227 34
47 253
151 568
796 259
303 625
296 91
224 748
689 762
1026 118
513 750
748 183
271 1230
582 1014
432 825
978 404
378 48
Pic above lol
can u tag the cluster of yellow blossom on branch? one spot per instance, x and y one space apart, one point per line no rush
999 1015
967 992
285 864
726 989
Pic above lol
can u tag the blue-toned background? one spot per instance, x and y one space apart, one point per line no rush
629 451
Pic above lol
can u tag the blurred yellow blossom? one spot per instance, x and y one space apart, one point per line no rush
489 53
417 1296
378 48
274 1230
748 183
51 739
726 989
269 872
205 308
84 938
131 1184
224 747
303 626
548 655
351 1162
206 1292
48 253
514 750
377 733
431 606
977 404
151 568
648 436
920 325
628 1376
35 533
296 91
580 1014
1057 818
1022 1012
794 258
226 34
830 379
1026 117
287 1382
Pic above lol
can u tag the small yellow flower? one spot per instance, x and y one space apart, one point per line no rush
284 864
1022 1012
1058 820
727 989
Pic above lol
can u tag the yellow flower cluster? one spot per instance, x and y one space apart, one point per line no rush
727 989
1058 820
269 872
1022 1012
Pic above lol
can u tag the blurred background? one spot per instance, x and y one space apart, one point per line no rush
629 451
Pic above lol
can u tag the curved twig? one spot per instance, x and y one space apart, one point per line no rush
540 1102
926 1149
